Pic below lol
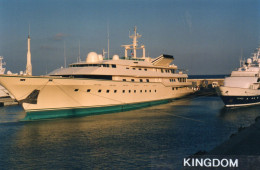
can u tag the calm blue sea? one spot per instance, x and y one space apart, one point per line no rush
157 137
218 76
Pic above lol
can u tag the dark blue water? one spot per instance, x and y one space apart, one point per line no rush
158 137
218 76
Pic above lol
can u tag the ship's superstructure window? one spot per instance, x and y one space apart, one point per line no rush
134 91
147 80
129 91
123 91
22 79
76 90
105 77
172 80
99 90
145 69
141 80
124 79
182 79
115 91
132 80
141 91
107 91
88 90
93 65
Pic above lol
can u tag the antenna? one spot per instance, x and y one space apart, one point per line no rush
108 40
79 60
29 30
65 55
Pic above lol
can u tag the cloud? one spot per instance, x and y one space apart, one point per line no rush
59 36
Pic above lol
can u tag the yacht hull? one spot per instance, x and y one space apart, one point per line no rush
234 96
52 97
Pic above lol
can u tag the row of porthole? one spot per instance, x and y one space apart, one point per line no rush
141 80
123 91
145 69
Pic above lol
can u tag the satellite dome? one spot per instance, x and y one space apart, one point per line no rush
249 61
92 57
115 57
100 57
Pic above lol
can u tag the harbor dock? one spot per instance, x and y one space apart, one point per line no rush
7 102
206 83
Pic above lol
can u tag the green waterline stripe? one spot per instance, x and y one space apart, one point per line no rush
76 112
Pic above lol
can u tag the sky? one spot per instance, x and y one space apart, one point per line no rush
205 36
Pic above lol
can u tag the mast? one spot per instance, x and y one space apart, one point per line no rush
29 63
65 62
135 36
134 46
108 41
79 59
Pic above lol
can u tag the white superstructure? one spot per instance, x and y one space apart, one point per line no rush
98 85
243 86
3 92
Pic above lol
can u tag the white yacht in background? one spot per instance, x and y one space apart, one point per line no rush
97 85
242 88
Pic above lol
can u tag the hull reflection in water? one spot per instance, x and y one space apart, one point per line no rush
149 138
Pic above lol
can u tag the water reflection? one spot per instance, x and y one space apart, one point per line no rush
129 138
154 137
239 113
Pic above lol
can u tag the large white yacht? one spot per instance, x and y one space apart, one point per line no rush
242 88
99 85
